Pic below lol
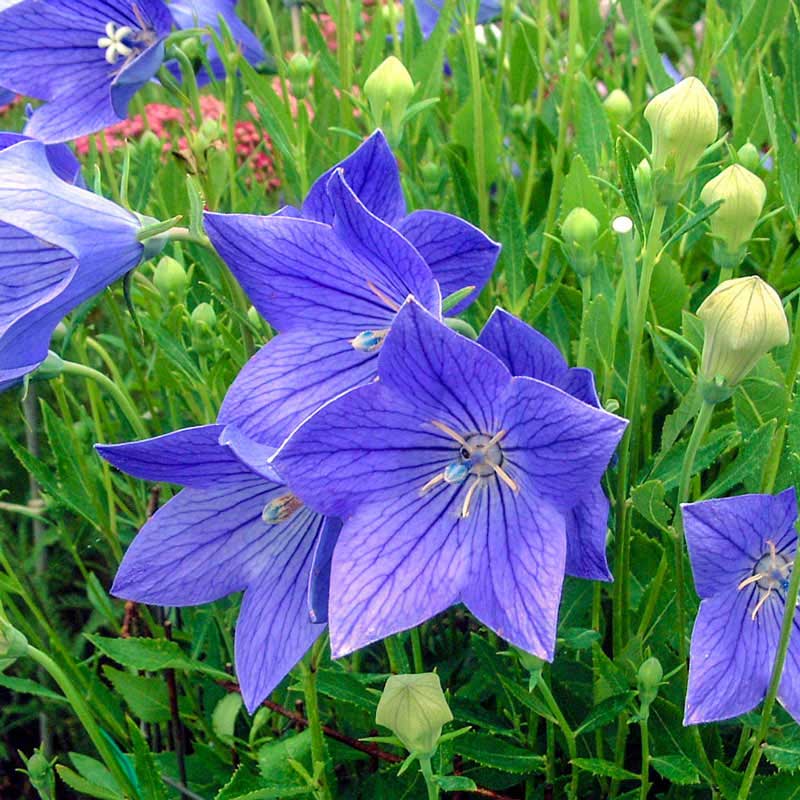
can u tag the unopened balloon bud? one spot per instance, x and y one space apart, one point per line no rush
579 232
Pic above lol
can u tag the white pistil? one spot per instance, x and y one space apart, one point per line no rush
383 297
468 497
113 42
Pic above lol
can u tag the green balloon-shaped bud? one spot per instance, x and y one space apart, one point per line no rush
389 90
203 322
579 232
300 69
170 279
414 708
749 157
618 106
648 680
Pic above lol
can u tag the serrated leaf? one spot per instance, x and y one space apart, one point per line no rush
529 699
244 785
26 686
604 769
149 780
274 758
512 256
147 698
455 783
580 190
150 655
630 194
84 787
676 768
592 134
604 713
648 500
345 688
491 751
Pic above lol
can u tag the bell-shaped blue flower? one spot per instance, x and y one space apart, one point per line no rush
59 246
453 478
742 550
85 58
232 528
428 12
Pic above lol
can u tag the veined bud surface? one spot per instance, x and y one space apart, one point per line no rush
414 708
684 120
742 194
744 319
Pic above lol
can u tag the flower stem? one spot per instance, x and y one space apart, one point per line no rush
622 544
566 731
789 613
645 788
416 649
427 773
122 398
561 146
586 299
318 750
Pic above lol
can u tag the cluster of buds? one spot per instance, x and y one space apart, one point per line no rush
684 121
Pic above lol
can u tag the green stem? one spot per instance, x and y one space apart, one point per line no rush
123 401
622 543
586 299
84 714
479 141
344 40
318 749
416 649
561 146
645 788
698 432
393 653
566 731
430 783
769 703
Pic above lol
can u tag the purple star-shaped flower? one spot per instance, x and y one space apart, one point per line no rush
206 14
330 279
742 550
231 529
85 58
59 246
453 478
527 352
428 12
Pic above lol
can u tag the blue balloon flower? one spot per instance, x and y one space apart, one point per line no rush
232 528
742 550
85 58
331 278
529 353
59 246
453 478
428 12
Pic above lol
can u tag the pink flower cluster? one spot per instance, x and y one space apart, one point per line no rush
168 123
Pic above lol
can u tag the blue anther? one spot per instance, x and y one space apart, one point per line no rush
367 341
457 471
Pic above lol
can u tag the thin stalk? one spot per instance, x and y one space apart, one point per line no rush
566 731
586 299
565 116
416 649
427 773
84 714
645 788
318 749
777 670
479 141
393 654
123 401
344 41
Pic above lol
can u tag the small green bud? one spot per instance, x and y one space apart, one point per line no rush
432 175
744 319
749 157
579 232
622 37
59 332
648 680
643 178
209 132
253 317
169 278
150 141
414 708
203 321
618 106
13 643
684 120
300 70
389 89
193 47
40 773
732 224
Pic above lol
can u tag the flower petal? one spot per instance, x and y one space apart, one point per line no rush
367 445
444 375
274 630
299 274
371 171
517 568
727 537
458 253
587 533
522 348
288 379
579 382
560 444
394 265
189 457
789 688
61 159
134 75
731 656
256 456
319 582
396 564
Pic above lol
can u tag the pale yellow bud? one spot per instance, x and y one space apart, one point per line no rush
414 708
389 87
684 120
732 224
744 319
618 106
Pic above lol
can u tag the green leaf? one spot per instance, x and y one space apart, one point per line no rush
274 758
100 600
530 700
648 500
578 638
150 655
630 194
669 293
604 712
592 134
84 787
636 14
466 199
491 751
25 686
455 783
677 769
150 784
580 190
223 718
603 768
513 256
246 786
147 698
343 687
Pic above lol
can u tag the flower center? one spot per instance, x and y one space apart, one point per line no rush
281 508
479 455
770 573
370 340
114 42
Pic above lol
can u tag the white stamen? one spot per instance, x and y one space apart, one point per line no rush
113 42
